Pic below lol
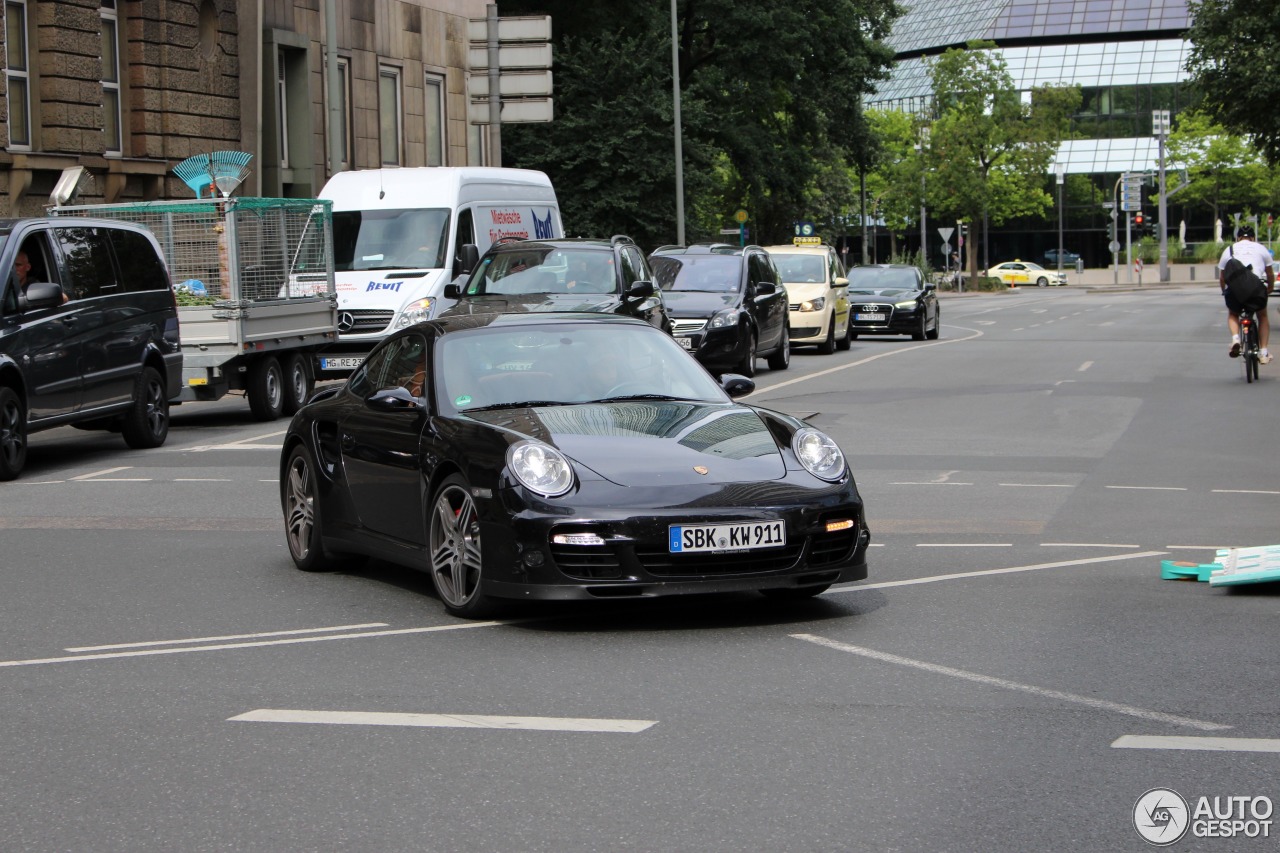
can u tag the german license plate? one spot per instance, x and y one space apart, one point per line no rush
729 536
870 318
340 363
687 343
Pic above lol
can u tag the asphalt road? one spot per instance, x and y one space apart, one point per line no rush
1025 475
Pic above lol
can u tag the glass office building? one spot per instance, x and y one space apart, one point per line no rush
1127 56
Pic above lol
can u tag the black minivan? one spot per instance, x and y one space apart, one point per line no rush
90 338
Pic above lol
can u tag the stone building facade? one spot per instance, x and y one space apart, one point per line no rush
128 90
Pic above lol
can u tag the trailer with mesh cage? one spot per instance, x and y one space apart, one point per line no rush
253 279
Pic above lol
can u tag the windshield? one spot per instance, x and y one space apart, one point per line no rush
557 364
713 273
545 269
1032 266
389 239
878 278
798 268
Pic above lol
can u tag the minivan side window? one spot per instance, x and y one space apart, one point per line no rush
140 267
90 271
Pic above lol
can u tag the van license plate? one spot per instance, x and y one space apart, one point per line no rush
730 536
340 363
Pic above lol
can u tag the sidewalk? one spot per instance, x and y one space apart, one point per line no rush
1179 275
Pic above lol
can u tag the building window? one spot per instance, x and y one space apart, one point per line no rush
389 114
282 107
16 73
433 85
111 78
344 130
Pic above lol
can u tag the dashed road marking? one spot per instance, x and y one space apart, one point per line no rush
226 637
1207 744
447 721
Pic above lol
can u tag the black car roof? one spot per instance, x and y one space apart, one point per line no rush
460 322
563 243
703 249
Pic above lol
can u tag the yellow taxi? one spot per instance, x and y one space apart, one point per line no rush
1015 273
817 293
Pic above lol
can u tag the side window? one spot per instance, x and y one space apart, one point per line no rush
835 271
365 380
140 266
400 363
466 232
39 257
632 267
759 270
90 271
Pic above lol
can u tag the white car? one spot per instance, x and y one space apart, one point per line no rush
1014 273
818 296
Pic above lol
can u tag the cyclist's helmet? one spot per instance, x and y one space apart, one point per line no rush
1245 230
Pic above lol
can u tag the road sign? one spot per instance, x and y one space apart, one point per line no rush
521 110
804 229
512 84
946 233
512 28
733 230
740 216
1114 246
1131 191
512 56
1108 205
946 248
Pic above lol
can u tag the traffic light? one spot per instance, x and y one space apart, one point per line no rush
1137 219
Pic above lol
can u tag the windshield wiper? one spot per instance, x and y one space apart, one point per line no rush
525 404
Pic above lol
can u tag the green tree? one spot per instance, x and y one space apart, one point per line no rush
1234 50
769 95
989 149
894 186
1224 169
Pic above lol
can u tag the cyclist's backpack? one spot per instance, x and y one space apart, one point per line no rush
1245 286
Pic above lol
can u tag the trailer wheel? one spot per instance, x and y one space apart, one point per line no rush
298 383
266 388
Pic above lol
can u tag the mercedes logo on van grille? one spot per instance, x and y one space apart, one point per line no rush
345 321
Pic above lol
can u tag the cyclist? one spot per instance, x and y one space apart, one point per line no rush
1255 256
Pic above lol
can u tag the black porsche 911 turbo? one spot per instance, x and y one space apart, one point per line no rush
564 456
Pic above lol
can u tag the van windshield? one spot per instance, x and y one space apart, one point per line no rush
390 239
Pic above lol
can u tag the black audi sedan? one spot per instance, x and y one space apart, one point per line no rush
564 456
893 299
727 303
607 276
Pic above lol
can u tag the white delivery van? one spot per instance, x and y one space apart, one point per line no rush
398 238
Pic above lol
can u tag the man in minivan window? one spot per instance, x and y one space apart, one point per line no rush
22 271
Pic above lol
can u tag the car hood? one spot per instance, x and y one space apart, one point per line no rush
648 444
883 293
697 303
536 302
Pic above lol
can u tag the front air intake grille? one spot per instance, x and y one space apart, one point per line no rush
589 562
665 564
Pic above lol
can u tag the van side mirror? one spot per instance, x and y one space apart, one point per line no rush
468 257
40 294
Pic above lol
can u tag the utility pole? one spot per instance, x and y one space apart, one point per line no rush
1160 127
675 100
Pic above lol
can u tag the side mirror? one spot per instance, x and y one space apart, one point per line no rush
841 282
41 294
639 290
930 285
393 400
766 288
452 290
736 385
468 258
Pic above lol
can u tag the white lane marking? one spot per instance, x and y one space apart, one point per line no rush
40 482
930 483
983 573
1082 368
242 444
964 544
1150 488
867 360
83 477
1042 692
1242 492
1039 485
1208 744
225 637
446 721
252 645
116 480
1085 545
1191 547
200 480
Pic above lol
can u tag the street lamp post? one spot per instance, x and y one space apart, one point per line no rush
1061 170
1160 128
921 147
675 100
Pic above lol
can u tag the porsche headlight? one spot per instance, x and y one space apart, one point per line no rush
416 312
540 468
818 454
727 317
813 304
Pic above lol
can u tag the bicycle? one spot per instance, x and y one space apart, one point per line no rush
1250 350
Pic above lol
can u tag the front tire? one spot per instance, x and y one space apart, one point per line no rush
828 345
920 333
301 508
1042 282
846 340
146 424
266 389
747 367
936 332
780 359
453 543
13 434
